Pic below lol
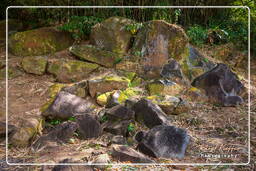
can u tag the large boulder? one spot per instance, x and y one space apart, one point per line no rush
106 84
60 134
34 65
95 55
149 113
67 71
126 154
39 41
163 142
157 42
66 105
120 112
221 86
112 34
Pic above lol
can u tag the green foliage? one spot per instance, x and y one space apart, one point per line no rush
131 127
80 26
55 121
133 28
118 60
72 118
104 118
197 34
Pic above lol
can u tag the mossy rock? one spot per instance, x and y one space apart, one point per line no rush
156 43
95 55
39 41
13 72
195 63
26 130
106 84
68 71
128 66
112 35
120 96
159 87
34 65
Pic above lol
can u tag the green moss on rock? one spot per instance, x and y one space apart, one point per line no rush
34 65
39 41
68 71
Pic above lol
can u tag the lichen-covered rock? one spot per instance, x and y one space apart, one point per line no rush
127 65
25 130
60 134
149 113
34 65
67 71
195 63
112 35
163 142
107 84
66 105
221 86
88 126
156 43
195 94
39 41
96 55
79 89
126 154
164 87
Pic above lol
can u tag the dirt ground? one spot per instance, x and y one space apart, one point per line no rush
214 129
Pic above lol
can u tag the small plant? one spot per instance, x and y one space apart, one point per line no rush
80 26
118 60
55 122
197 34
177 14
72 118
131 127
133 28
104 118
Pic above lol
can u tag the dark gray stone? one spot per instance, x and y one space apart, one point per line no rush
117 127
71 167
163 142
148 113
61 134
221 86
67 105
88 126
120 112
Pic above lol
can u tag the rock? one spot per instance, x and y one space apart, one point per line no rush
112 35
167 103
195 94
126 154
120 112
195 63
39 41
102 159
103 98
71 167
119 97
182 107
34 65
118 139
157 42
26 130
107 84
128 65
221 86
60 134
66 105
117 127
164 87
173 72
129 103
79 89
149 114
163 142
88 126
95 55
67 71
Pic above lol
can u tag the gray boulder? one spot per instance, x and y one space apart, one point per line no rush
163 142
